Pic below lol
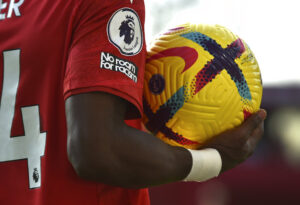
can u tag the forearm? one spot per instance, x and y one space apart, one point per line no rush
131 158
151 161
101 147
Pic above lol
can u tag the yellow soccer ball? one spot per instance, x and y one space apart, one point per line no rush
200 80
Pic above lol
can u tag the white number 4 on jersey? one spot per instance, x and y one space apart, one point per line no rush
31 146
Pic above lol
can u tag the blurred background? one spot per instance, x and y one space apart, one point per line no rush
271 28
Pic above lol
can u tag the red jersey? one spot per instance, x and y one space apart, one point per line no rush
50 50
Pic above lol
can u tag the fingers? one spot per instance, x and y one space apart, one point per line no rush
253 140
254 121
258 132
236 145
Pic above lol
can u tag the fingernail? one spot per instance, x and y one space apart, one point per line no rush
262 114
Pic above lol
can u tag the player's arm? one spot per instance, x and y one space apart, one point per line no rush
101 147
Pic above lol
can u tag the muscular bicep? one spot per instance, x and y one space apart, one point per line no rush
92 120
101 147
95 107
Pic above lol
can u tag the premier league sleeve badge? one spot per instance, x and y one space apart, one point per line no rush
124 31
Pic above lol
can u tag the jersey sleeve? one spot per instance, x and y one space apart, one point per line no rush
107 52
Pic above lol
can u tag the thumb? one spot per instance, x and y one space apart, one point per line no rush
252 122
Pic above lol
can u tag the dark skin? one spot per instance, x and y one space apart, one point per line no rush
102 148
238 144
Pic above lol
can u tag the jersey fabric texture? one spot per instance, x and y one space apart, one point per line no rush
50 50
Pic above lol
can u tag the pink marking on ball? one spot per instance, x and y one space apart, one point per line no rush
247 114
189 55
172 30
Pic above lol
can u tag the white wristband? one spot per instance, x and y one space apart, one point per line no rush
207 164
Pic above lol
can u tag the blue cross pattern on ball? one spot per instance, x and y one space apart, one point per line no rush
223 59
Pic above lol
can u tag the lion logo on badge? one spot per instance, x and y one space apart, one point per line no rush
124 31
127 29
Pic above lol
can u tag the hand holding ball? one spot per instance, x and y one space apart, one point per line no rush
200 80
